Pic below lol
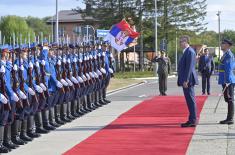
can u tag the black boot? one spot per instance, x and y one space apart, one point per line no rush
3 149
23 134
52 117
38 123
45 120
104 96
7 138
74 107
80 111
57 115
69 111
64 113
15 132
230 114
31 128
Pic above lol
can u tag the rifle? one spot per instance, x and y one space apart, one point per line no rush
84 64
30 77
43 72
99 67
110 62
74 69
67 66
37 74
15 83
67 89
3 91
58 75
79 64
22 81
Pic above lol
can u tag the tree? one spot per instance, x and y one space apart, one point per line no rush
39 25
16 25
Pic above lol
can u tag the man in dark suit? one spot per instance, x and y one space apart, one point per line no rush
206 67
187 78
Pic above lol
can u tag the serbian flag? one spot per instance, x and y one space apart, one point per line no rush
121 35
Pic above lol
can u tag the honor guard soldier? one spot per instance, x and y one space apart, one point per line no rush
227 79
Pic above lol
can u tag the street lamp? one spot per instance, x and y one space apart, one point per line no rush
57 23
218 14
87 32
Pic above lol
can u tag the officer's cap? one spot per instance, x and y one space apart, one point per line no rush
33 45
5 48
226 41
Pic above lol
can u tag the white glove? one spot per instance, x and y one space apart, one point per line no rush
64 82
2 69
96 75
74 80
3 99
30 65
22 95
69 82
22 67
80 79
98 72
111 70
84 78
43 86
88 76
103 70
91 74
59 62
59 84
14 97
15 67
38 89
37 64
43 62
31 92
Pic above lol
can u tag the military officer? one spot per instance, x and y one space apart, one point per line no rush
164 67
227 79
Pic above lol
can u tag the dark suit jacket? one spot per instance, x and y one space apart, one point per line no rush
186 68
206 64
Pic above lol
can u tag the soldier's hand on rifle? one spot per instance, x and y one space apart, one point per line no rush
59 84
69 82
3 99
74 80
31 92
64 82
80 79
43 87
103 70
227 84
38 89
22 95
14 97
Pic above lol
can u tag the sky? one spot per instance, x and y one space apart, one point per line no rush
43 8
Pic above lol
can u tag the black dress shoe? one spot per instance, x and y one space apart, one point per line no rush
71 117
17 140
107 101
208 93
54 124
59 121
4 149
41 130
26 138
33 134
65 119
49 127
226 122
102 102
10 145
188 124
75 114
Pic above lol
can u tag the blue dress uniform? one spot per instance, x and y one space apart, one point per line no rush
4 112
227 80
206 67
187 73
50 98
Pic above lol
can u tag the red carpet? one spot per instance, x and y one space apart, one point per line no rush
150 128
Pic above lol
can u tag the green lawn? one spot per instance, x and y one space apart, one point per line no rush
127 75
